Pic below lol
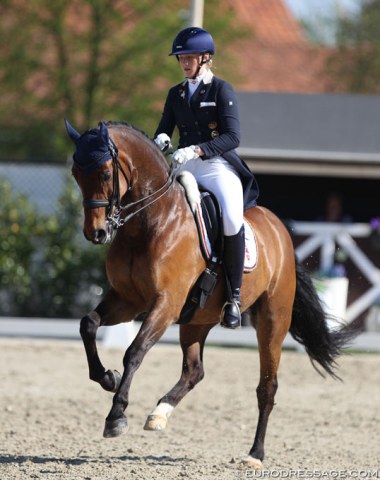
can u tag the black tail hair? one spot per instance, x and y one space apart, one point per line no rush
309 326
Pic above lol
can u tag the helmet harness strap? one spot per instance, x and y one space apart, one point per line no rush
200 65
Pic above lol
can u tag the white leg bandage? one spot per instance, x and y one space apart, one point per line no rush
163 410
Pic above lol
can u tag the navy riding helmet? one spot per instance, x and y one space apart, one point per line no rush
193 40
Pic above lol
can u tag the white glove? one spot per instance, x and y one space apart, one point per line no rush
163 142
183 155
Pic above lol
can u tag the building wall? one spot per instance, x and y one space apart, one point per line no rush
303 197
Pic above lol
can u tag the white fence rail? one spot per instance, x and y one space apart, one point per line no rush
43 328
326 237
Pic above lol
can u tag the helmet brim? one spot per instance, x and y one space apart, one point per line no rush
189 52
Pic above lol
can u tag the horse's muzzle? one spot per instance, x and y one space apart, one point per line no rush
100 233
98 237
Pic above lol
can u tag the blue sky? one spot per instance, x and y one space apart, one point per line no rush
308 8
321 15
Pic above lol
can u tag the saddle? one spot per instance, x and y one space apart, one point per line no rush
208 219
209 224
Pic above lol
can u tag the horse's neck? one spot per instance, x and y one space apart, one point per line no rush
155 221
145 160
150 174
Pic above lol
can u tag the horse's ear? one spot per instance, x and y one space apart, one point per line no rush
103 136
73 134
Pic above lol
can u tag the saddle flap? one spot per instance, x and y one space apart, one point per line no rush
212 217
208 219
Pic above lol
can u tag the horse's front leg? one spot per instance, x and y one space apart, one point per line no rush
111 311
150 332
192 340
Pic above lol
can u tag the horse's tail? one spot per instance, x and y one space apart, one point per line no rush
309 326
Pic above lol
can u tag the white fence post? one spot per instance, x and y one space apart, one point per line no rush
324 236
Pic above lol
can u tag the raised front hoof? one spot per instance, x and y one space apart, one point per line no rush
111 381
115 428
251 462
155 423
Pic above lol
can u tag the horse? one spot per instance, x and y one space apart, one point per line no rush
132 201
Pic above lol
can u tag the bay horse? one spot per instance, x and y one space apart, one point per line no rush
132 201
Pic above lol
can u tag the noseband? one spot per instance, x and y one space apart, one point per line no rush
113 205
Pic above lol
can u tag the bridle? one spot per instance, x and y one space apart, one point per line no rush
115 209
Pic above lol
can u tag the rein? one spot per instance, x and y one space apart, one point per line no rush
114 219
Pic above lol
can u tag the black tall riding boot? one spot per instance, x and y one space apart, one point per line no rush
233 261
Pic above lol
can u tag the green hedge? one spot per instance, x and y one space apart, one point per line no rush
47 269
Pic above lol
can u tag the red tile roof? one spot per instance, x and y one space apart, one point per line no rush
278 58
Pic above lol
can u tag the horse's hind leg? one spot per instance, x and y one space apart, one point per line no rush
272 327
109 312
192 340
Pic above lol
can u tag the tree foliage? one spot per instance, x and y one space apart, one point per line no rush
355 64
89 60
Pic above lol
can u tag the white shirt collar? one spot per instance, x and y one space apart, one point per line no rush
206 77
193 84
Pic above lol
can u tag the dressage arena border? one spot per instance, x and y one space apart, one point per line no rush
122 335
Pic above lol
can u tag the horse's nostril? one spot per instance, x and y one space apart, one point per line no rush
100 236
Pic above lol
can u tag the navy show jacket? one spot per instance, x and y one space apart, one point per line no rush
211 120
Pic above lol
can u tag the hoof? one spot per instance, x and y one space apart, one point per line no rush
250 462
114 428
111 381
155 422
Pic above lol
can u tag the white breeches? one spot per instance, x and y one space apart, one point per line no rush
220 178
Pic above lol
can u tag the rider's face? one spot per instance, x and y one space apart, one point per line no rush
189 64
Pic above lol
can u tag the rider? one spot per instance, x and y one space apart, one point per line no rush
205 111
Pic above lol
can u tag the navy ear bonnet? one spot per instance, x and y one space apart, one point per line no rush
93 148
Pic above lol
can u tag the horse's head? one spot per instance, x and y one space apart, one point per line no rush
96 169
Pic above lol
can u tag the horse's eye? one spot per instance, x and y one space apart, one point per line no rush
106 176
